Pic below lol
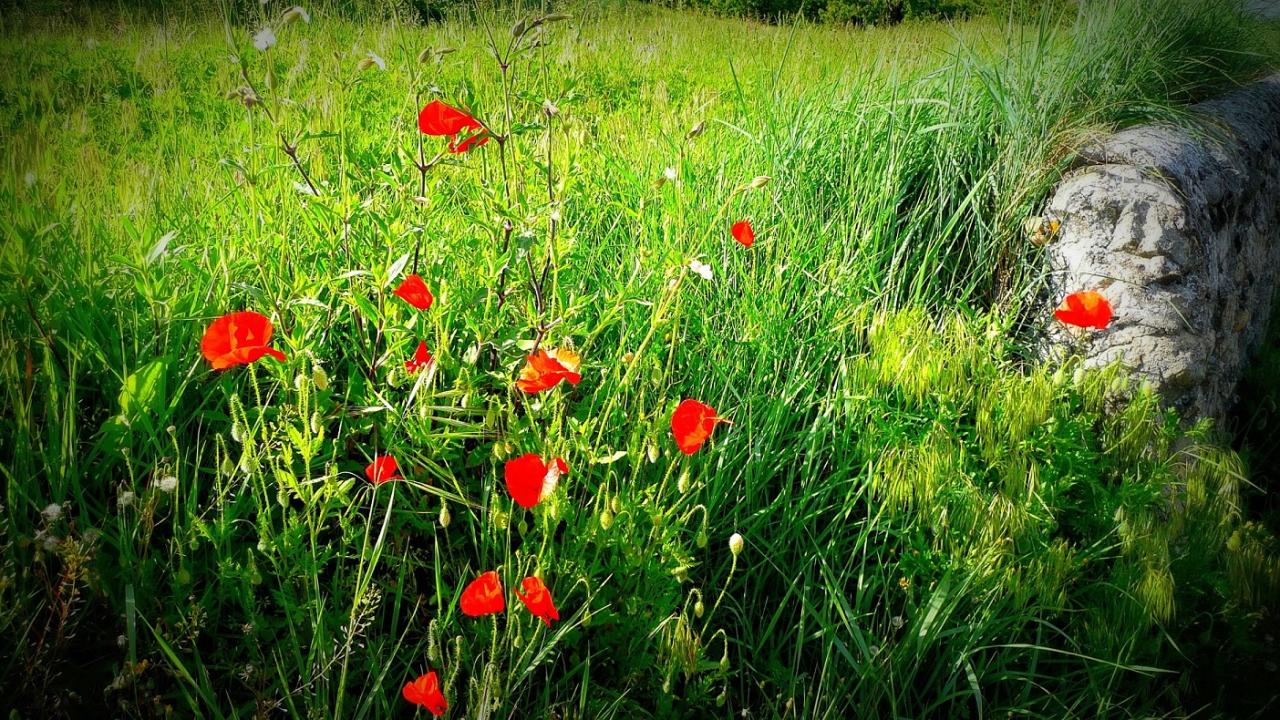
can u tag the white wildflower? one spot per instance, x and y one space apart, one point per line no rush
30 178
304 188
669 174
700 268
126 499
265 39
52 512
167 484
377 60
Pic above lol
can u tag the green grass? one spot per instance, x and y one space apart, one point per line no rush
934 526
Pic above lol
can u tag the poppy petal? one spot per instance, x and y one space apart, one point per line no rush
238 338
691 425
525 476
1085 309
744 233
413 290
483 596
425 692
537 598
383 469
474 141
544 369
437 118
421 358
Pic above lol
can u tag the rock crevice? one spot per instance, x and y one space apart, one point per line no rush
1179 227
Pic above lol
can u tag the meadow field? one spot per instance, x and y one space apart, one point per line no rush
904 514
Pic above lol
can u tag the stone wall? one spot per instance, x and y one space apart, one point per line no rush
1179 227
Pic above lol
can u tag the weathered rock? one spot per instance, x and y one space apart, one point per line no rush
1179 227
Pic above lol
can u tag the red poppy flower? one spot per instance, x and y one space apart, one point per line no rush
530 480
238 338
425 691
382 469
743 233
483 596
537 598
413 290
445 121
421 358
546 368
1085 309
692 423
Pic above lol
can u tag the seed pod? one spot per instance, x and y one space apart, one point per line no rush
759 182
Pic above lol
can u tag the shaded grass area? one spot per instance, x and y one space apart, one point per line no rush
932 527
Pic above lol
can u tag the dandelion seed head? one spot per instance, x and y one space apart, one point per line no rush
264 39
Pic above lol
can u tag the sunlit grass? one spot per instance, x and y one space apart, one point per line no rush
931 527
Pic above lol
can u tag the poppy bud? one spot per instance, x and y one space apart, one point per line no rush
317 428
722 698
701 539
320 378
445 518
628 357
554 17
366 64
606 519
1059 377
1077 377
735 544
616 504
699 609
682 482
759 182
295 13
445 51
426 54
696 130
518 29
